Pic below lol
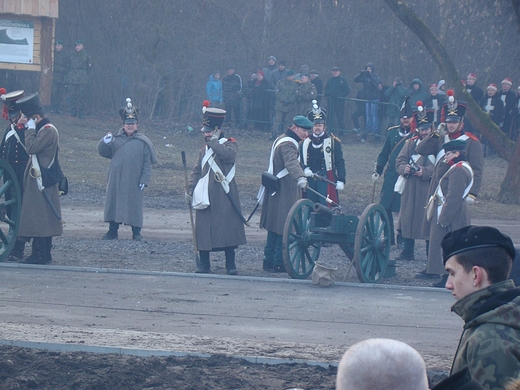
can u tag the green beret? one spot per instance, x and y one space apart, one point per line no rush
290 73
303 122
454 146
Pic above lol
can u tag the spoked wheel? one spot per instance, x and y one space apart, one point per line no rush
10 207
372 245
299 251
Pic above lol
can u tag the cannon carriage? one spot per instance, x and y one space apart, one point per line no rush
10 208
365 240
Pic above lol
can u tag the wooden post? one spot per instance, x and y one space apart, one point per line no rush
46 48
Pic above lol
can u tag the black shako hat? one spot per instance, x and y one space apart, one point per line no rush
212 118
475 237
317 114
453 110
9 100
406 108
128 113
423 117
30 105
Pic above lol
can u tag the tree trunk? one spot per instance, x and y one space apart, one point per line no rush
510 188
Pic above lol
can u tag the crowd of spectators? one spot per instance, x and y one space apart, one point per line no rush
267 99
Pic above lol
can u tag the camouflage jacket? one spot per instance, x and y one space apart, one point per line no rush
79 63
305 94
490 342
286 96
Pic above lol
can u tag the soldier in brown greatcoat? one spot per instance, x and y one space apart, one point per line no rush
39 217
415 171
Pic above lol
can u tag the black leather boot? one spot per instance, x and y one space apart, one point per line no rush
136 233
36 256
112 231
230 261
46 248
203 267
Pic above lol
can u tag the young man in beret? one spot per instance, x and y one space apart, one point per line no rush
478 260
284 163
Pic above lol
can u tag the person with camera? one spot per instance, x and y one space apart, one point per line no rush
372 85
40 218
450 129
415 171
131 156
284 164
395 140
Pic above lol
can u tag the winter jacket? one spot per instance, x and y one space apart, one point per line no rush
417 94
214 90
371 83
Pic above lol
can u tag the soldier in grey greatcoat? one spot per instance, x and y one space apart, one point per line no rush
285 164
38 220
131 157
219 226
415 172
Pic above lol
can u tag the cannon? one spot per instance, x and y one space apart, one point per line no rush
365 239
10 208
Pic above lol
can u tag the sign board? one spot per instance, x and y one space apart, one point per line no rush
16 41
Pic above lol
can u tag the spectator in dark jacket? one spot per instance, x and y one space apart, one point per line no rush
372 86
395 95
416 92
232 94
336 91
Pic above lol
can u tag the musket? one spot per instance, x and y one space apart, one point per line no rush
315 176
197 259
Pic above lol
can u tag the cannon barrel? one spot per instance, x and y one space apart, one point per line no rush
323 210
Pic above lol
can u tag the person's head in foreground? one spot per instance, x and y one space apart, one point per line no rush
476 257
381 364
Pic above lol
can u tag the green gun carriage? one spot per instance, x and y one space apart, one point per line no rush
10 208
365 239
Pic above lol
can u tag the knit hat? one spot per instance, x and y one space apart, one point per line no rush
271 58
441 83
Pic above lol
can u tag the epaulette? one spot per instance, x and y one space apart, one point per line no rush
393 127
459 164
471 135
335 138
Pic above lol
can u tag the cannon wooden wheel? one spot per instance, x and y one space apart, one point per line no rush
300 252
372 244
10 207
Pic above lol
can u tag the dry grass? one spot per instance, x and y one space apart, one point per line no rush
82 164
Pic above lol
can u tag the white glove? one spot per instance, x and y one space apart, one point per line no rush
302 182
375 176
107 138
441 129
470 199
215 135
188 198
308 172
141 186
340 186
31 124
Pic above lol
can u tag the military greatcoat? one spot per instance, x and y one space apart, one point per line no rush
415 193
219 225
131 160
276 208
37 218
395 140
